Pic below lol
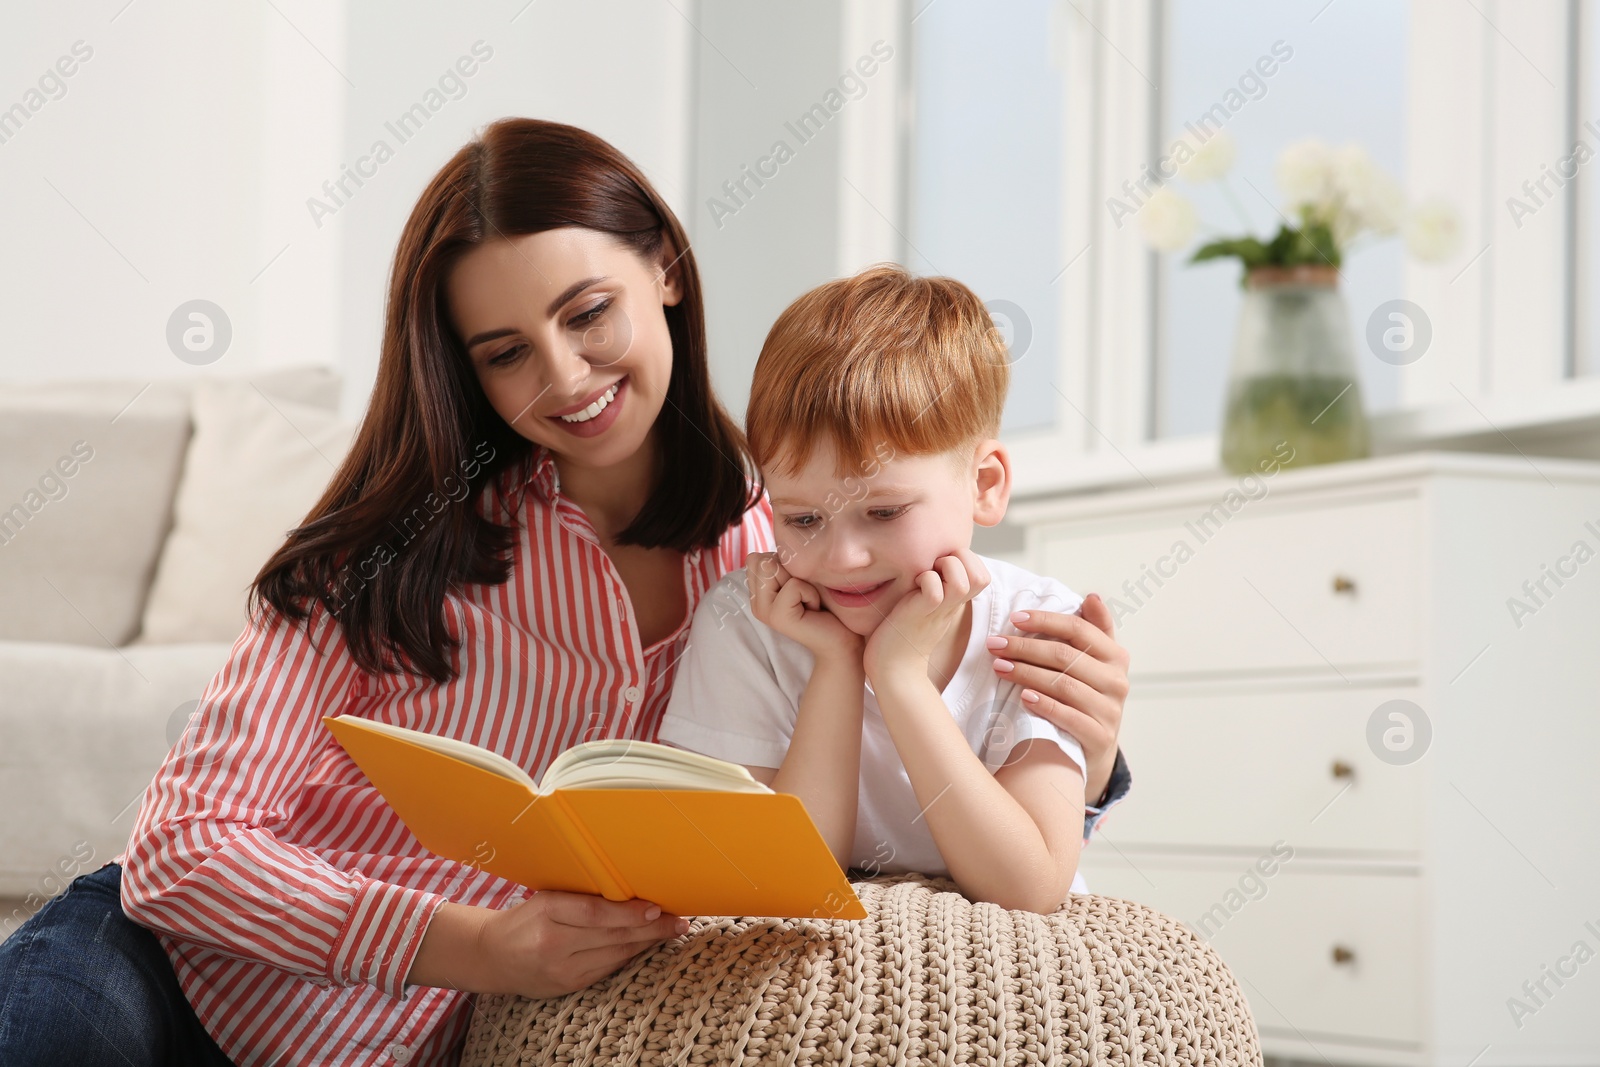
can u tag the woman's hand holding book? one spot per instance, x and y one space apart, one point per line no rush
546 946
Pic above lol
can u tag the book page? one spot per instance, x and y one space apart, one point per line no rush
625 763
465 751
608 763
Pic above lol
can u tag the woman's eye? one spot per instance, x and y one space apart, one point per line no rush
508 356
585 318
889 513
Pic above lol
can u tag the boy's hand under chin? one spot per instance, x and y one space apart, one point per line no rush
909 635
794 608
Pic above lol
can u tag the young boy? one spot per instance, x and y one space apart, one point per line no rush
849 667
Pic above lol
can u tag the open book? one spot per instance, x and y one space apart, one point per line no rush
618 818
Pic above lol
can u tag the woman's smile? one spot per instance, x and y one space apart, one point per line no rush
595 414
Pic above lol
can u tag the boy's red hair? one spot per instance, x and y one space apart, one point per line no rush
879 357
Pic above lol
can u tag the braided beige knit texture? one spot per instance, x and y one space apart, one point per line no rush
928 977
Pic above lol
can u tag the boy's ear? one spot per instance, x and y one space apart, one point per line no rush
993 483
669 273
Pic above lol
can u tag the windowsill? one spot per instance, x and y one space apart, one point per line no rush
1562 421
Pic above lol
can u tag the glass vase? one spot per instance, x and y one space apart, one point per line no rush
1293 393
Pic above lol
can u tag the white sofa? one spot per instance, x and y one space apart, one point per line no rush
133 515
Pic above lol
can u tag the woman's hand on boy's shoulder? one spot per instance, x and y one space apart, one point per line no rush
794 608
1073 672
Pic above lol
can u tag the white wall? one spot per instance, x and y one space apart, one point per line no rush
179 161
148 183
617 68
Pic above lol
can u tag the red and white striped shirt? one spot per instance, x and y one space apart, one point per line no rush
290 897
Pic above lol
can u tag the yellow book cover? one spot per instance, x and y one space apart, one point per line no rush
616 817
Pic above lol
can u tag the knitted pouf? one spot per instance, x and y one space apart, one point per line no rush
928 977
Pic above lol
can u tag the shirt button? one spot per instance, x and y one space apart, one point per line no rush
401 1053
632 694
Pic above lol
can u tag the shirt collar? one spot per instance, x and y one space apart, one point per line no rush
543 476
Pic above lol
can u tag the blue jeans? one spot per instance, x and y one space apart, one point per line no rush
82 984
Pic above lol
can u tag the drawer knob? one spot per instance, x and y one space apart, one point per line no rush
1341 769
1342 955
1341 584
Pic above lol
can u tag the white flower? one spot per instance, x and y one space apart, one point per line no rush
1167 220
1305 172
1204 161
1433 232
1368 199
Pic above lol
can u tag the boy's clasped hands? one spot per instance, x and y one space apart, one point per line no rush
904 641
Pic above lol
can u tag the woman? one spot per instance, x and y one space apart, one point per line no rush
541 489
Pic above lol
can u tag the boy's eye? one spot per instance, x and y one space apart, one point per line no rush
800 522
889 513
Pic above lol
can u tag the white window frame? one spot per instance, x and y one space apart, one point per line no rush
1489 101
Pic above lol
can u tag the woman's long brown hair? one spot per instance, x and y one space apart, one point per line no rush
429 434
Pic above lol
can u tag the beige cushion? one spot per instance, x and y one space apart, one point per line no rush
81 732
78 551
85 482
316 386
255 468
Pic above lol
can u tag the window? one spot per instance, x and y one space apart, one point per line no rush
1582 162
1029 115
1343 81
986 182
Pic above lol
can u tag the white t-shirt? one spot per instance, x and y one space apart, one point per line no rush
739 683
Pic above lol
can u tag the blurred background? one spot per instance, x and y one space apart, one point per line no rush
1362 725
187 155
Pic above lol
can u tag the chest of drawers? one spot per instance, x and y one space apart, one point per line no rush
1365 737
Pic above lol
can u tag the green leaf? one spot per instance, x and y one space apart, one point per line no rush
1249 250
1291 246
1318 239
1281 250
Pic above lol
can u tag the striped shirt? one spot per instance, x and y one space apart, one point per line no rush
289 896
